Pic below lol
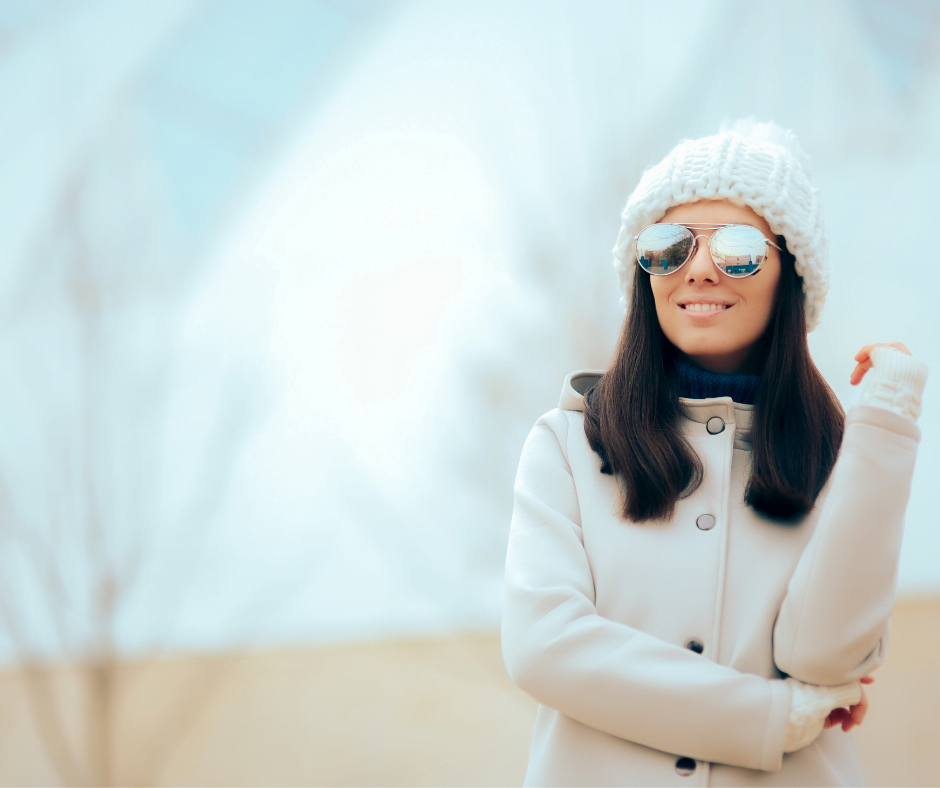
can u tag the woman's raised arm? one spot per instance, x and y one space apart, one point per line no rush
833 623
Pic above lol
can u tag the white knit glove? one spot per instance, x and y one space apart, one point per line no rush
811 705
895 381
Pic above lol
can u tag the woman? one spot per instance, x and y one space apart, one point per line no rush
704 548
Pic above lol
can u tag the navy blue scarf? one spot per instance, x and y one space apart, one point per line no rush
698 383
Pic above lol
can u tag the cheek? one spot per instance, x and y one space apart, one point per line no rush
762 303
669 317
661 290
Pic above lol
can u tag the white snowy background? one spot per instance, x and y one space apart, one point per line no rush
284 286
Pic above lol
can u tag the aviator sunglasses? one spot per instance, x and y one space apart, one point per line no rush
738 250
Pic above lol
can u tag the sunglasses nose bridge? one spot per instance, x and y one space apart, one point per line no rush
695 246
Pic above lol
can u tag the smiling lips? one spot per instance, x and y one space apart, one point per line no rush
701 307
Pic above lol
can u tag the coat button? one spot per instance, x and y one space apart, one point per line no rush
685 766
715 425
705 522
695 645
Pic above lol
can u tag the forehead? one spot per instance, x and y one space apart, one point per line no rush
716 212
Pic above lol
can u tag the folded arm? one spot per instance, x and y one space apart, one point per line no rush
604 674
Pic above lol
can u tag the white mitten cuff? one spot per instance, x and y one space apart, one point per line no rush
895 381
811 705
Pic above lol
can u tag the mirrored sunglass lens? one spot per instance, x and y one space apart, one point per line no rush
738 250
662 248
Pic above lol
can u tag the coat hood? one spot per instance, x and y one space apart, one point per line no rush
733 413
575 387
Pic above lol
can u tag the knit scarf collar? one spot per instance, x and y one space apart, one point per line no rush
698 383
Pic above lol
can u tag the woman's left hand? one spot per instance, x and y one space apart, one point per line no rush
864 360
854 715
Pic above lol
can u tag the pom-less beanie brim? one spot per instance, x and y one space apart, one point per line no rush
759 165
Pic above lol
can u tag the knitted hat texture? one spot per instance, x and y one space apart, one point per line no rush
760 165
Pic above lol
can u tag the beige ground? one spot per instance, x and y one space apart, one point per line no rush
431 712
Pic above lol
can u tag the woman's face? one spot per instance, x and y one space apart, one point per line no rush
719 340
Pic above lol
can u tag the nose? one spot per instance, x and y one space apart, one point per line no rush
701 268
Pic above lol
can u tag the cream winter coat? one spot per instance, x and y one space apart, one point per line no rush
603 619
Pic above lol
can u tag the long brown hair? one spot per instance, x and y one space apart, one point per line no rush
632 416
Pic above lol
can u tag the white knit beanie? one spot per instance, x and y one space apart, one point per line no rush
760 165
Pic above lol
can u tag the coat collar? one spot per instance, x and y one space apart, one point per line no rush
699 411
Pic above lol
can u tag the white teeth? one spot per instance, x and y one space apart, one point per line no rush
705 307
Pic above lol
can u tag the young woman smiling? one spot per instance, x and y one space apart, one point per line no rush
704 547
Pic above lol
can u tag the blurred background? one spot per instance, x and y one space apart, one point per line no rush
283 287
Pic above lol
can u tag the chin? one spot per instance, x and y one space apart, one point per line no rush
710 349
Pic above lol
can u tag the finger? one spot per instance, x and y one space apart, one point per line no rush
867 679
856 714
851 722
833 719
862 708
859 372
838 715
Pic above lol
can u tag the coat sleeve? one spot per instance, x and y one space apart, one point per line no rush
604 674
832 626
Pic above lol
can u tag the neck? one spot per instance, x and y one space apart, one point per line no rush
745 362
696 382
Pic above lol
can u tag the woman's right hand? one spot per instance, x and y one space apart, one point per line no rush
863 357
854 715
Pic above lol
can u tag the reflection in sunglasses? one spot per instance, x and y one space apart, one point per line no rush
737 250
